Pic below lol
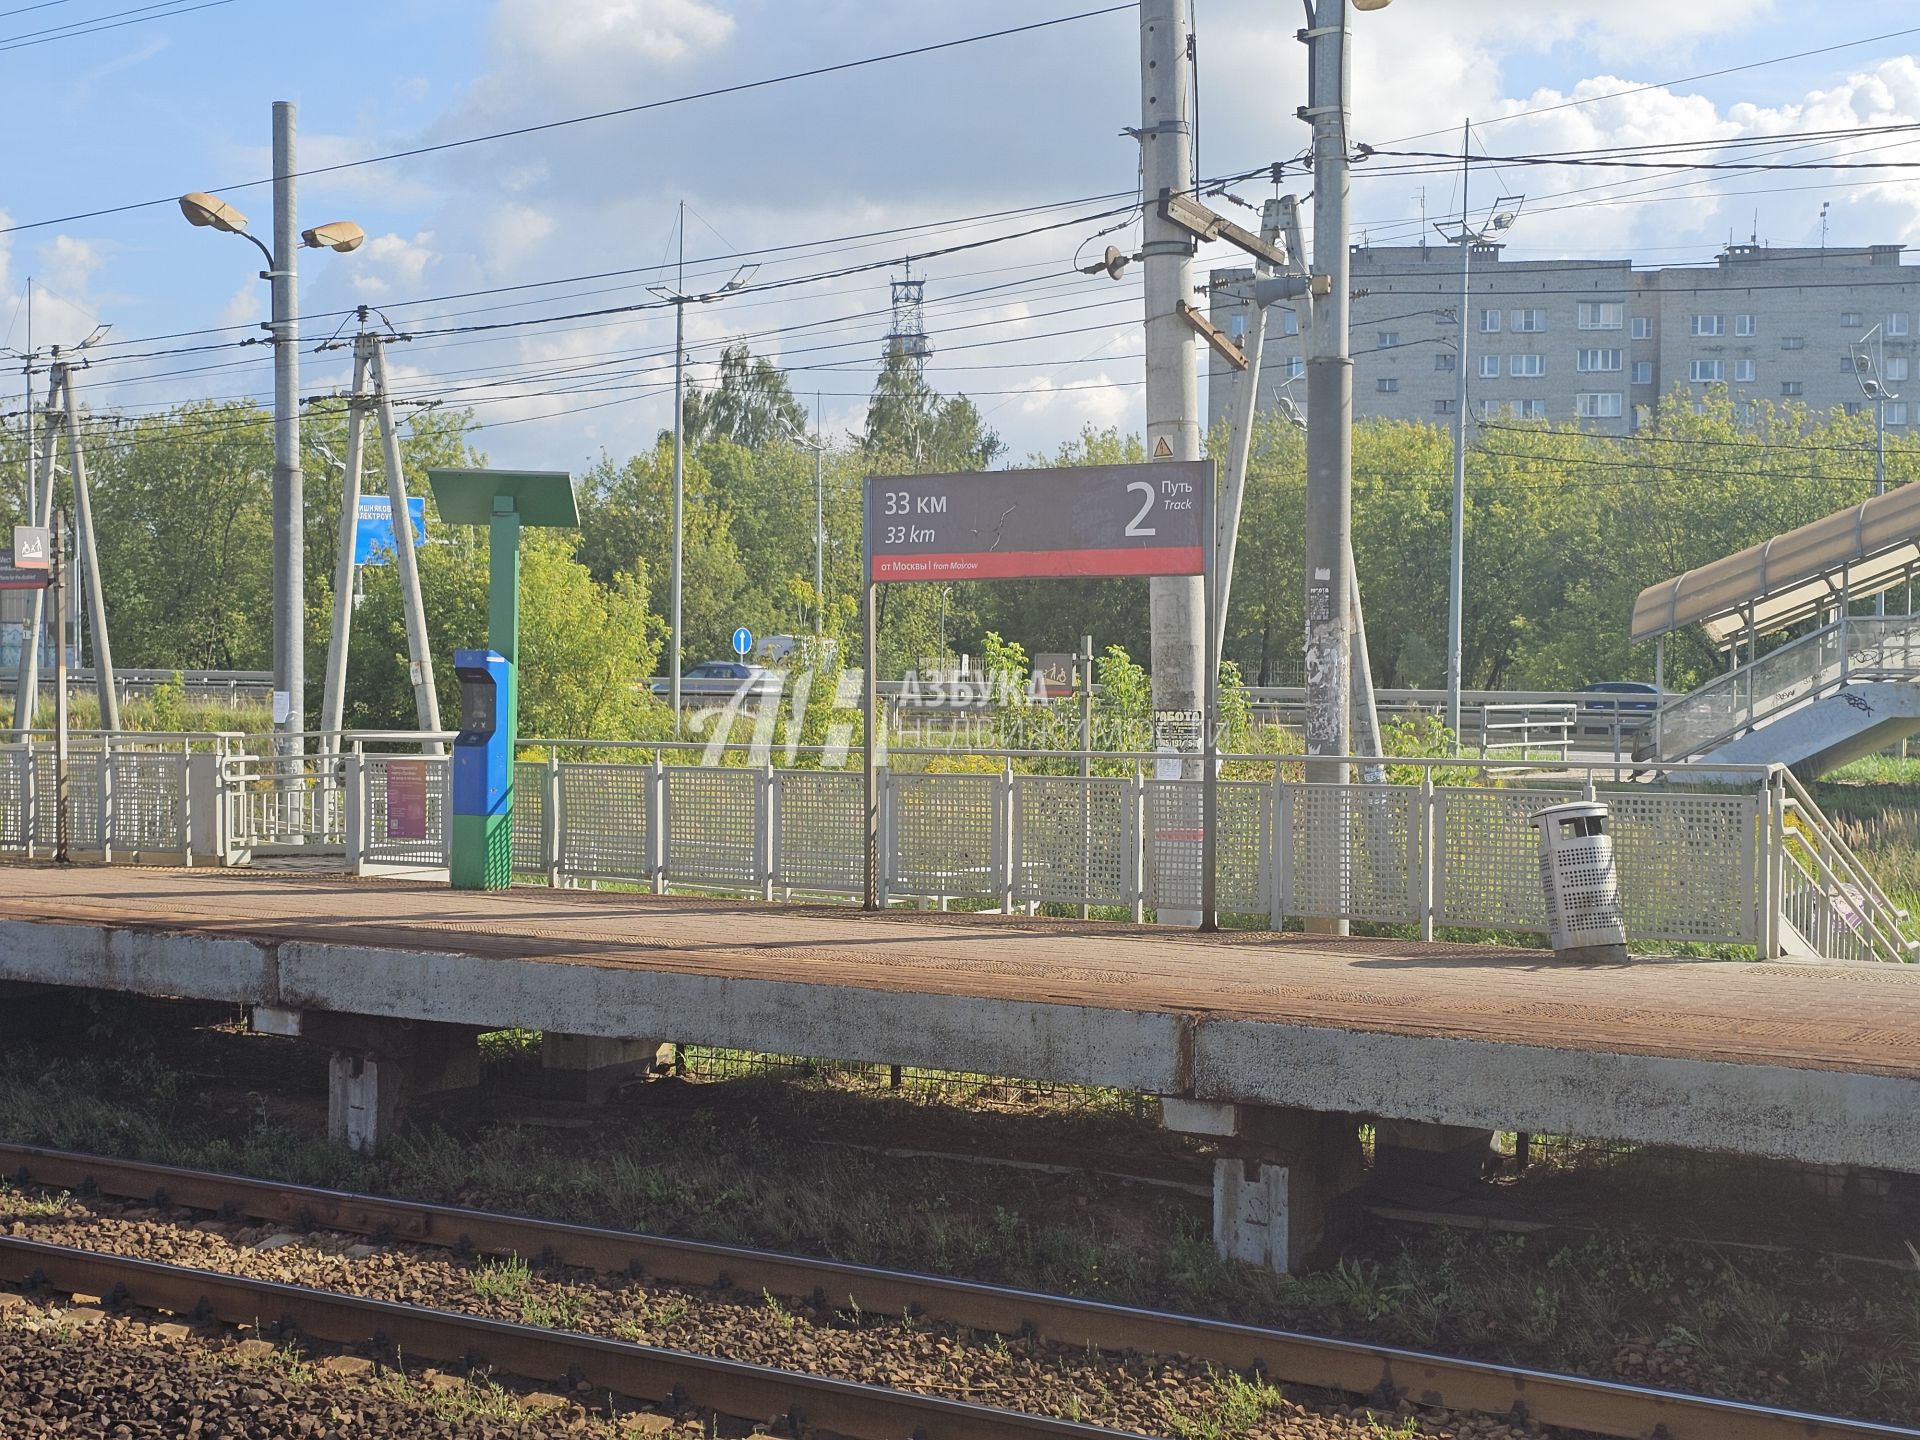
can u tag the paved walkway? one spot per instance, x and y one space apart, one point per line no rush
1859 1019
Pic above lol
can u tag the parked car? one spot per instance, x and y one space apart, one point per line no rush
720 680
1628 703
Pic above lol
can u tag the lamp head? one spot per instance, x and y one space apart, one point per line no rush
203 209
340 235
1371 4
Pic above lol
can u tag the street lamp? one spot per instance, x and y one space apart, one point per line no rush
680 300
819 448
1506 211
1866 368
289 500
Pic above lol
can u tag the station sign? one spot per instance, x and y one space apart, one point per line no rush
373 538
16 576
1074 522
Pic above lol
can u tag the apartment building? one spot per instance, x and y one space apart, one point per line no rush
1597 342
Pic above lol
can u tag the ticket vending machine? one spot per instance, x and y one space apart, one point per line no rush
482 830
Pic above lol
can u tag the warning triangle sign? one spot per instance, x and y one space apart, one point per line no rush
1162 450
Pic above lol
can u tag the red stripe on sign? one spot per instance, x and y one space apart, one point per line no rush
1042 564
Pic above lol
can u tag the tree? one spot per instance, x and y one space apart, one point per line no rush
750 405
913 430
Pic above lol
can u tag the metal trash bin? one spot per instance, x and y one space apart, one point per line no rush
1582 888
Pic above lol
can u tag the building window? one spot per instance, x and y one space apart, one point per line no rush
1489 322
1237 325
1289 322
1706 325
1530 409
1896 412
1593 360
1386 340
1742 372
1853 407
1445 360
1486 409
1602 406
1849 364
1794 342
1704 371
1642 327
1743 325
1387 384
1443 407
1527 367
1850 319
1643 372
1897 367
1489 367
1296 366
1529 322
1601 314
1792 387
1897 323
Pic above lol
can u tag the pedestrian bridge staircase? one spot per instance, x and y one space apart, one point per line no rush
1845 691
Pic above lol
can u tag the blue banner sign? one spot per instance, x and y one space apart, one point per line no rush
373 531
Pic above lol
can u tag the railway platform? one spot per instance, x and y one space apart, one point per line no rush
1275 1043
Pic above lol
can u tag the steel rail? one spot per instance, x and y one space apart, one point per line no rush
1382 1373
797 1402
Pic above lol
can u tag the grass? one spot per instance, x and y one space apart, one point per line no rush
1875 805
736 1163
1234 1407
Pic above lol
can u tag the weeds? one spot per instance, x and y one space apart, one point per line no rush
1235 1407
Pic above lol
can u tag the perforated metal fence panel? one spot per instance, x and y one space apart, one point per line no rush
1353 851
607 821
385 848
1487 866
1686 864
16 791
149 802
1242 861
820 839
714 821
944 833
529 817
1074 840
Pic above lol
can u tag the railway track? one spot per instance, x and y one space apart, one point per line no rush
1381 1374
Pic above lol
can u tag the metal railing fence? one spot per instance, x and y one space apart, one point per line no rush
1738 856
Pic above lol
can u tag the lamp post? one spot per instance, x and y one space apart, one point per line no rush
1867 369
679 299
819 448
289 500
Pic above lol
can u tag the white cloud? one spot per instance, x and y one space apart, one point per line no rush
652 32
389 261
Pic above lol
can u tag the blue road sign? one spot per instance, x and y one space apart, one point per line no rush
373 531
743 642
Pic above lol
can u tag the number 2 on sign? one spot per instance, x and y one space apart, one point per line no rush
1134 527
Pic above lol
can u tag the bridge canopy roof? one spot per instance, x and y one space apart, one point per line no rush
1859 552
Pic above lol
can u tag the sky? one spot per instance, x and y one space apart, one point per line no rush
122 105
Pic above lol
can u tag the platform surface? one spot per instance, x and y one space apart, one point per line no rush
1650 1050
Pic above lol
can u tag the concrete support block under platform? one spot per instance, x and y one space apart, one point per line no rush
592 1067
1415 1159
379 1068
1282 1189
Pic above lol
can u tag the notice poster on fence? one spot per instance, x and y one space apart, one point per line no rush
406 799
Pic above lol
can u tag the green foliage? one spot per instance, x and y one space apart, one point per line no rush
1005 665
750 404
1126 692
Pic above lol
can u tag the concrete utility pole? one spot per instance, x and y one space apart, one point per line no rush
1869 370
26 687
1329 524
369 363
426 703
1173 401
1457 542
333 695
289 488
679 455
88 550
